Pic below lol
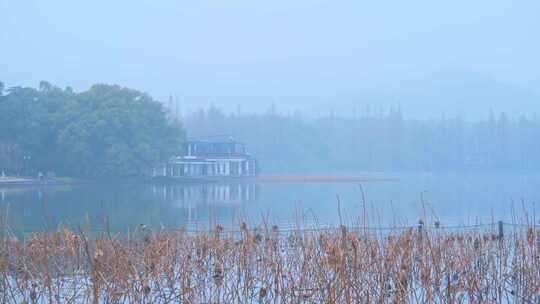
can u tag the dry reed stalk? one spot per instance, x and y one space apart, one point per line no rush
343 265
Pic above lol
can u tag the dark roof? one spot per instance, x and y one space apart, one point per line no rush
217 139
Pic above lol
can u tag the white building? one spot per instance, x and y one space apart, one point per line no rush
209 159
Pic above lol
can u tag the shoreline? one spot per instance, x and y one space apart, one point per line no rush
274 178
24 182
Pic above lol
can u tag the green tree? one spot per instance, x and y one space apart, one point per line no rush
105 131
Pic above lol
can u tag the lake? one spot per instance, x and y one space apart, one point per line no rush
453 198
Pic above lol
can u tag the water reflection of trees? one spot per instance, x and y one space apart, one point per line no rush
122 206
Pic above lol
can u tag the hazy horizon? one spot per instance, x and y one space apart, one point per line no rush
314 56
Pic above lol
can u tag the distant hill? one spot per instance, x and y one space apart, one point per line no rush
470 95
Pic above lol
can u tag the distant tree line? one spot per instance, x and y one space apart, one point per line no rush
113 131
106 131
381 141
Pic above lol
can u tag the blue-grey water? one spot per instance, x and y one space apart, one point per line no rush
453 198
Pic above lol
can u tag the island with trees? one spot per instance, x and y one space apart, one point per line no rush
107 131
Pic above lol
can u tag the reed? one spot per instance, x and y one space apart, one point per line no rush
267 265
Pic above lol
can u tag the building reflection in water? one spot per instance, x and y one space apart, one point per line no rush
215 193
194 198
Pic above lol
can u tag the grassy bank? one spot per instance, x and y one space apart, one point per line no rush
272 266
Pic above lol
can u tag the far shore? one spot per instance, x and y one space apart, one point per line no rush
321 178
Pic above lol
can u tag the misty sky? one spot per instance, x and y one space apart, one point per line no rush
457 57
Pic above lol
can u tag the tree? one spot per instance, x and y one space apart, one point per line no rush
45 86
105 131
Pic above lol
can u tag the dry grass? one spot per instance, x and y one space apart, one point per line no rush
270 266
321 178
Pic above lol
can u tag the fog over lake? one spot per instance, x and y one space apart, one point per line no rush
242 151
453 198
107 91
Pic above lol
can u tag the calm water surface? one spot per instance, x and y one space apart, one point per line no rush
454 198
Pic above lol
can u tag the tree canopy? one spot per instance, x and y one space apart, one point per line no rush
106 131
